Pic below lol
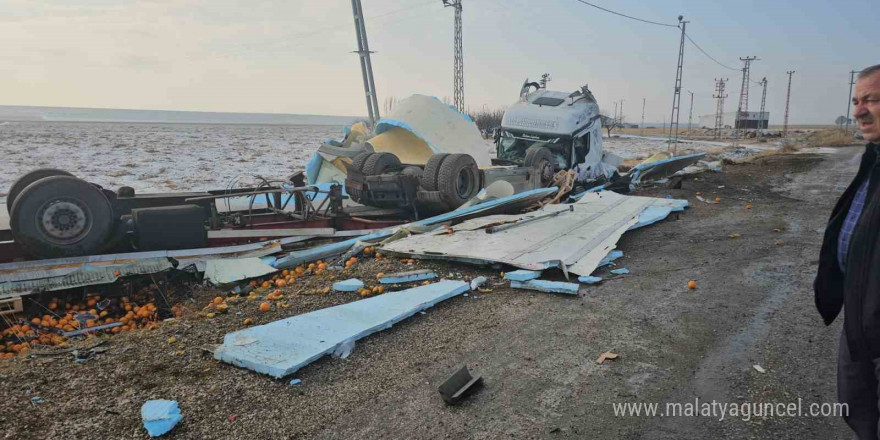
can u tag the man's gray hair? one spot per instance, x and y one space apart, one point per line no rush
868 71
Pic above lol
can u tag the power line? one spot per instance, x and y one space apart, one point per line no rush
627 16
709 56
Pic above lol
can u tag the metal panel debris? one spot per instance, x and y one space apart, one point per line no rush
576 242
282 347
84 275
229 270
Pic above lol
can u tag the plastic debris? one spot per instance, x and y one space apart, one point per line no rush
477 282
734 235
282 347
621 271
605 356
343 350
589 279
408 277
547 286
613 255
37 400
717 200
160 416
295 382
522 275
759 369
349 285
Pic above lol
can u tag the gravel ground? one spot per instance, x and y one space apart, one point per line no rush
537 352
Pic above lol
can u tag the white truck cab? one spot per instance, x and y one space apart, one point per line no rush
566 124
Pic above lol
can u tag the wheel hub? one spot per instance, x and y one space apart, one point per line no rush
64 220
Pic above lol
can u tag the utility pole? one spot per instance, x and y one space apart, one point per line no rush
642 126
676 97
719 108
852 81
761 114
787 99
743 95
691 113
363 51
621 111
615 111
458 65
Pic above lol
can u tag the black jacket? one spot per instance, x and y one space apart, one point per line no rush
857 290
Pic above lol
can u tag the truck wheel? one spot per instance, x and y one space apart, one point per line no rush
61 216
541 160
459 179
431 171
360 159
28 179
378 163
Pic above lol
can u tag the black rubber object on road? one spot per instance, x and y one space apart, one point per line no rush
458 180
378 163
539 159
61 216
431 171
28 179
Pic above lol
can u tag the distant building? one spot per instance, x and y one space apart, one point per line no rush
748 120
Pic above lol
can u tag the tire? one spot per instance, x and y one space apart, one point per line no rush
458 180
28 179
359 160
378 163
542 160
41 218
431 171
358 164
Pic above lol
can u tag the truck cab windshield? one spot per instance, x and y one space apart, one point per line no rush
513 146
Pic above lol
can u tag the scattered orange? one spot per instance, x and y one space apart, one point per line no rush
248 321
265 307
280 283
265 285
692 284
218 300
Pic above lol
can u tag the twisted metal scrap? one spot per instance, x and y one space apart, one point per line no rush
564 180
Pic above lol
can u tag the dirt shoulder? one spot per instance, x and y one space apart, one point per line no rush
537 352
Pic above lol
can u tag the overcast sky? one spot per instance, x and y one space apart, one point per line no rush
294 56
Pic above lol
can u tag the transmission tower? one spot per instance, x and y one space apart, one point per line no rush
458 67
743 94
787 99
763 101
852 80
676 97
719 108
363 51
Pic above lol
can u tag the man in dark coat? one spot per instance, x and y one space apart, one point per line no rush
849 271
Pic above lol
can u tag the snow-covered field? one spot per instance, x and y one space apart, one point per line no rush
158 157
189 157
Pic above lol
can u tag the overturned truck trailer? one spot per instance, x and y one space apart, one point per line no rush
431 158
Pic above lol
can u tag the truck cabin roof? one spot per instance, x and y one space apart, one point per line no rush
552 113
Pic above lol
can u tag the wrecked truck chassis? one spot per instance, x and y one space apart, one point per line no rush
61 216
395 187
